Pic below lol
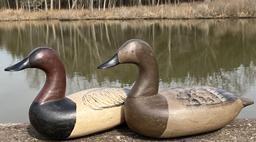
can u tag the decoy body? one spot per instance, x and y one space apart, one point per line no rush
59 117
171 112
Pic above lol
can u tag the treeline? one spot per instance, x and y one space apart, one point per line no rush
36 5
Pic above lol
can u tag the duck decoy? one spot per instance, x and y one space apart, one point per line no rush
58 117
171 112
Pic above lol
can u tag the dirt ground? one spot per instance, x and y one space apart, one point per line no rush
240 130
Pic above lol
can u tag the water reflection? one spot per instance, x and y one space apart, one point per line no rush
219 53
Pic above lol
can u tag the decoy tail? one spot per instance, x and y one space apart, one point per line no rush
246 101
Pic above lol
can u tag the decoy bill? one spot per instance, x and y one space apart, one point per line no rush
59 117
171 112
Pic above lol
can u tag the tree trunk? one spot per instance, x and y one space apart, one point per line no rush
69 5
59 4
17 4
46 6
28 5
153 2
158 2
104 5
139 2
74 4
99 4
91 5
8 4
51 4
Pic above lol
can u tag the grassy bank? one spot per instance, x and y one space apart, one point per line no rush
196 10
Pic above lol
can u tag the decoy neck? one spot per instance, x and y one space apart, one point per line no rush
140 53
47 60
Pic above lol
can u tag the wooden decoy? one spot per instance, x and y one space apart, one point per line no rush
58 117
171 112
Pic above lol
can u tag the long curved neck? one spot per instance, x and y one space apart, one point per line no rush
55 85
148 81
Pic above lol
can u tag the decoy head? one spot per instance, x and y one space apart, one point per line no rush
133 51
38 58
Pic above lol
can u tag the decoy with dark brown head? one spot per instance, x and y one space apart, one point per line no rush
171 112
59 117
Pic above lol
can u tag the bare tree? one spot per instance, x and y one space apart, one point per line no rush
59 5
81 4
139 2
17 4
8 4
46 6
28 5
91 5
51 4
158 2
104 4
99 4
74 4
69 4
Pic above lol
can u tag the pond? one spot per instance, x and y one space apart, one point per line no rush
219 53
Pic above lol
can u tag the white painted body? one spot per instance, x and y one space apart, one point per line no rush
97 109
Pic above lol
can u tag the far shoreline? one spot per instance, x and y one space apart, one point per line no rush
217 9
126 19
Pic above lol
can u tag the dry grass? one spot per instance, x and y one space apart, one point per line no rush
214 9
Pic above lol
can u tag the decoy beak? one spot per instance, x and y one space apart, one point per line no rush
109 63
19 66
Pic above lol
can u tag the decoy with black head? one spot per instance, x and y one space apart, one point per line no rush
82 113
171 112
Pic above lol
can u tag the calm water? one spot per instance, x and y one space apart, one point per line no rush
220 53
